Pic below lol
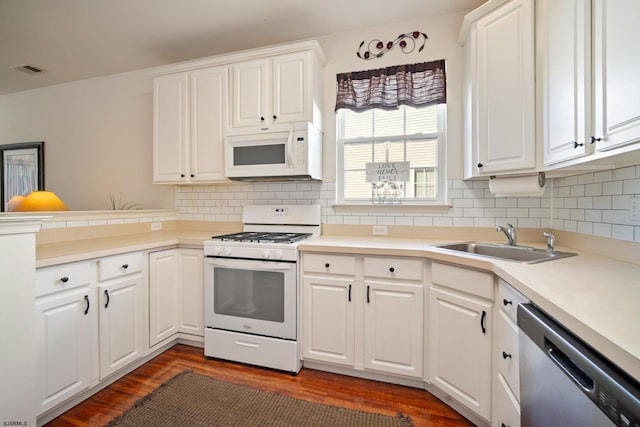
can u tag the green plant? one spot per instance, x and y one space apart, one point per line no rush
119 205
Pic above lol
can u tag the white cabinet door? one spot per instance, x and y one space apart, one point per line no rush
66 325
564 33
122 307
251 93
503 97
393 328
191 291
291 91
209 107
272 90
328 316
460 348
189 118
616 61
163 295
170 128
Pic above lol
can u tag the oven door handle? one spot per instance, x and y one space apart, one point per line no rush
250 265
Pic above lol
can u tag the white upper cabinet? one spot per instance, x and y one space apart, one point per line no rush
280 89
587 57
195 102
189 117
499 89
564 40
615 63
170 127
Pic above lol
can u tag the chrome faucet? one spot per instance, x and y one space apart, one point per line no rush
551 241
509 232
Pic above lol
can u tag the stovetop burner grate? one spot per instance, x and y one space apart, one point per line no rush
262 237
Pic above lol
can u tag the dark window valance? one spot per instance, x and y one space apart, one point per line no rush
413 84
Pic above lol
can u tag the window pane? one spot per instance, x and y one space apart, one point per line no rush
389 123
422 120
356 186
423 153
357 125
394 136
356 155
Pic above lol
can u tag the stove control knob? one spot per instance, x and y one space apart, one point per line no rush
215 250
277 255
266 253
226 251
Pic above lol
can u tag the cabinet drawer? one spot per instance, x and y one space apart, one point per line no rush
62 277
393 268
509 298
507 354
120 265
463 279
506 408
329 264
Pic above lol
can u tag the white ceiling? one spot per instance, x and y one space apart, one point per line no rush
79 39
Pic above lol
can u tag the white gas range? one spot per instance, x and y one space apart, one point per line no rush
251 286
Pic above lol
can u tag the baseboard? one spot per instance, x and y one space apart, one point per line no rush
391 379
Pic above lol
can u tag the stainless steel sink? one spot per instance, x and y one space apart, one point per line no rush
523 254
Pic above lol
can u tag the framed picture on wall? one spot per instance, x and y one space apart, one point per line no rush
21 170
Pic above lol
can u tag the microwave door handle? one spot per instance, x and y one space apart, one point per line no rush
290 149
251 265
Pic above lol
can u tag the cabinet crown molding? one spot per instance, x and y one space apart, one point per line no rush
474 15
243 55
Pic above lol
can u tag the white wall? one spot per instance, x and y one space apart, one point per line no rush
98 139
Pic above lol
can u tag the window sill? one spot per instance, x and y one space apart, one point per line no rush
391 208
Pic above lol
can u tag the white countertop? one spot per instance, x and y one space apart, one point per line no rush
596 297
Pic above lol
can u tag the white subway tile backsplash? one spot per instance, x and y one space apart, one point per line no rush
592 203
631 186
625 173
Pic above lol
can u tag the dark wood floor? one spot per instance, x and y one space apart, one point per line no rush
311 385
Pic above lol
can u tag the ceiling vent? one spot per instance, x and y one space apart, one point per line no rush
29 69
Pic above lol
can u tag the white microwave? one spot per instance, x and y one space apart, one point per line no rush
274 153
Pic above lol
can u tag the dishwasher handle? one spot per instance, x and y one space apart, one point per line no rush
578 375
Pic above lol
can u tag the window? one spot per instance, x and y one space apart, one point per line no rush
413 134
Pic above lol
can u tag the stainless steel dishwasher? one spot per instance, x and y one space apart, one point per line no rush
565 383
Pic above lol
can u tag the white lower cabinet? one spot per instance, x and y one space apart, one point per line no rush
122 311
191 291
66 332
163 295
328 309
176 294
460 325
347 304
506 358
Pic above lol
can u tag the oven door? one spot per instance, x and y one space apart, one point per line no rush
249 296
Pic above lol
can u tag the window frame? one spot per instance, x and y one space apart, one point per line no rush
441 187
